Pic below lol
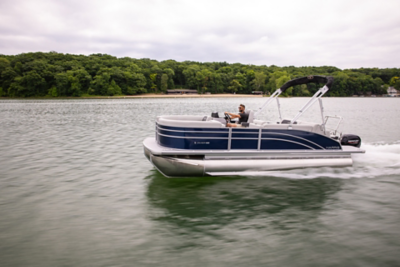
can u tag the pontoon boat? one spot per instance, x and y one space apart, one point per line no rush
187 145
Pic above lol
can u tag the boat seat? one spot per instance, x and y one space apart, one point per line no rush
250 119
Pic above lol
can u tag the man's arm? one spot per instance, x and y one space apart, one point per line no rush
232 115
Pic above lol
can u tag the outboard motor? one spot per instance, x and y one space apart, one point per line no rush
350 140
214 114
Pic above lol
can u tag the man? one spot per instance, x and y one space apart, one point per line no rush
242 115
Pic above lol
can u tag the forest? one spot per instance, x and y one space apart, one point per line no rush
55 74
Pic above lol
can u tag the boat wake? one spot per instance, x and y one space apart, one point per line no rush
379 160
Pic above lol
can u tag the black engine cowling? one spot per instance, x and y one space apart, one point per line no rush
350 140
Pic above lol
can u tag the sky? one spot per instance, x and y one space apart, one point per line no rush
340 33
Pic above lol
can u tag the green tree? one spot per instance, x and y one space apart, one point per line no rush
170 73
282 80
62 83
16 87
234 86
136 83
74 85
4 63
113 89
259 81
277 79
18 68
241 78
164 82
7 77
153 78
100 84
83 78
190 76
32 84
250 76
304 90
216 84
203 78
37 74
226 79
53 91
395 82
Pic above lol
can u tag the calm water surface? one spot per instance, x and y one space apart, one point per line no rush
76 190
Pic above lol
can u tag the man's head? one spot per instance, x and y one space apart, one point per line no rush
241 108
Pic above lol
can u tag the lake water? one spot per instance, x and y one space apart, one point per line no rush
76 190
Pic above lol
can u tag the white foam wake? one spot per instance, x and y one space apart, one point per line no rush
379 160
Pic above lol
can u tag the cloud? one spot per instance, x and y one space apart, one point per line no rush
339 33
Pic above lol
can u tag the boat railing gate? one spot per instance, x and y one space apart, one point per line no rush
333 131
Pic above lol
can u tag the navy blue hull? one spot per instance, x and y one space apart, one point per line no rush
242 138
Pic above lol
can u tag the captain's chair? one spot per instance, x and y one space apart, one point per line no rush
251 116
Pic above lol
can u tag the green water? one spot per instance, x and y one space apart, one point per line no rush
76 190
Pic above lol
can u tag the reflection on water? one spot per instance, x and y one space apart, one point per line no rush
220 207
275 220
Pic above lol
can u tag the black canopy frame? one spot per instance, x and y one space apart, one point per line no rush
327 80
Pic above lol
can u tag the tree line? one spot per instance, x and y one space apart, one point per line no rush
63 75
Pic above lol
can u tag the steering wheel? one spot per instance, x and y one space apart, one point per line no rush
227 118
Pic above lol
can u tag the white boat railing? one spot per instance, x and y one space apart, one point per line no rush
332 131
315 97
269 100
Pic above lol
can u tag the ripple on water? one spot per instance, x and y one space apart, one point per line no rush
76 190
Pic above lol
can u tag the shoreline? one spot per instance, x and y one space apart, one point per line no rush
190 96
173 96
142 96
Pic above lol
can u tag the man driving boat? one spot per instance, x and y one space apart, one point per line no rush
242 115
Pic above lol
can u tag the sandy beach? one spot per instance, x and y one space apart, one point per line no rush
150 96
186 96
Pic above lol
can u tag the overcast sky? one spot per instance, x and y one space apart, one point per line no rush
341 33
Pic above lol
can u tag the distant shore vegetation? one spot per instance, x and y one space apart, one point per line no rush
66 75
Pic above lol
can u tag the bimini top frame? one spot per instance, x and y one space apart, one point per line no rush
328 80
